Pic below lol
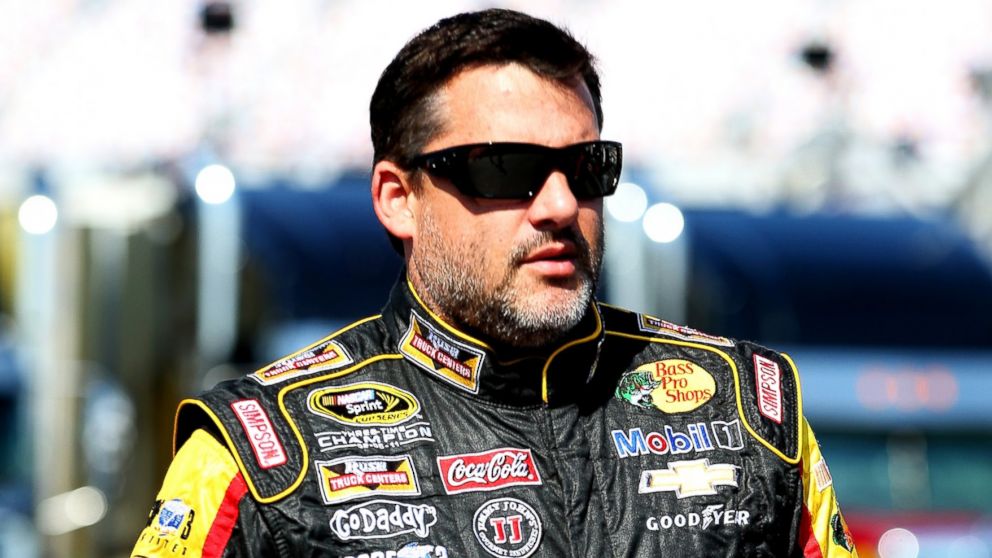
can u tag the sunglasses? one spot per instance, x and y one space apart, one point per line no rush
517 171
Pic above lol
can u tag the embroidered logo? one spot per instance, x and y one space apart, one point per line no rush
821 474
441 355
354 477
262 437
671 385
688 478
507 528
490 470
382 518
326 355
364 403
769 379
651 324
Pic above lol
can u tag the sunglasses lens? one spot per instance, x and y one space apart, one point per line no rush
518 171
498 173
594 169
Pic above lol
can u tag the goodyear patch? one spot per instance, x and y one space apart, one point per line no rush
651 324
441 355
326 355
672 385
353 477
364 403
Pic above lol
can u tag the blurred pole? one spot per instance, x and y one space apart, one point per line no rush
47 316
219 254
643 275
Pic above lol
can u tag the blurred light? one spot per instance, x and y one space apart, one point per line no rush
38 214
215 184
898 543
663 222
627 203
72 510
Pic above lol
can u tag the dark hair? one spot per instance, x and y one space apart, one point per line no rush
403 111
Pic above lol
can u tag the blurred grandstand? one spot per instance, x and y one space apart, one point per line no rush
183 196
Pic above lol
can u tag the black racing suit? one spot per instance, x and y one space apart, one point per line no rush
399 436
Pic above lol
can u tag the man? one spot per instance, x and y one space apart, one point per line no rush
494 408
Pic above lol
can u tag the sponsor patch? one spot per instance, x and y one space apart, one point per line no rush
364 403
672 385
697 437
768 377
842 537
507 527
439 354
490 470
377 437
381 519
688 478
711 516
354 477
262 437
174 517
821 474
327 355
409 550
651 324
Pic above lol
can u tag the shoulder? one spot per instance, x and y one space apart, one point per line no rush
624 322
250 416
765 382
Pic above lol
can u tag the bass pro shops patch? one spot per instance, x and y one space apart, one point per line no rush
671 385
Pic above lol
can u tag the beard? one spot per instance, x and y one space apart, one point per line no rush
505 310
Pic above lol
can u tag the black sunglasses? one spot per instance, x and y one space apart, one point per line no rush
517 171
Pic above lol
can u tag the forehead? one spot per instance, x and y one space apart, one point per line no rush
511 103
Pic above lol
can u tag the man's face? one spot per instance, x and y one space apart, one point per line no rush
518 272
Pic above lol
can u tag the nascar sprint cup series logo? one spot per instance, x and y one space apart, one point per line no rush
365 403
507 528
673 386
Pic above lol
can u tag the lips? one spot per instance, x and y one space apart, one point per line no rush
554 260
560 251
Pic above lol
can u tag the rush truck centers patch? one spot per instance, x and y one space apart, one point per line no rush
326 355
354 477
441 355
671 385
768 376
490 470
364 403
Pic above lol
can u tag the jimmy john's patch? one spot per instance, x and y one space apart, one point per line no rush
364 403
354 477
326 355
441 355
673 385
651 324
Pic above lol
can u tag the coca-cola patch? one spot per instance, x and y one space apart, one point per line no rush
488 470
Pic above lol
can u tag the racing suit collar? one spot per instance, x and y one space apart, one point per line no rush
551 376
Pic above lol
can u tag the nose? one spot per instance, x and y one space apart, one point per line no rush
555 206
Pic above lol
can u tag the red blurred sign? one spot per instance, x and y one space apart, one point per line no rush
907 389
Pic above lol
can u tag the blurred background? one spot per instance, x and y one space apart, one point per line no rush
184 197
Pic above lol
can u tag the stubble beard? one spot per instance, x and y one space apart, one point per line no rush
453 284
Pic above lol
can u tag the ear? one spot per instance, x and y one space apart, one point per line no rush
394 200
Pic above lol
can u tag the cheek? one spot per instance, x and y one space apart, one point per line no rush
591 221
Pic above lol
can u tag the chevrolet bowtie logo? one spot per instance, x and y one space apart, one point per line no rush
689 478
